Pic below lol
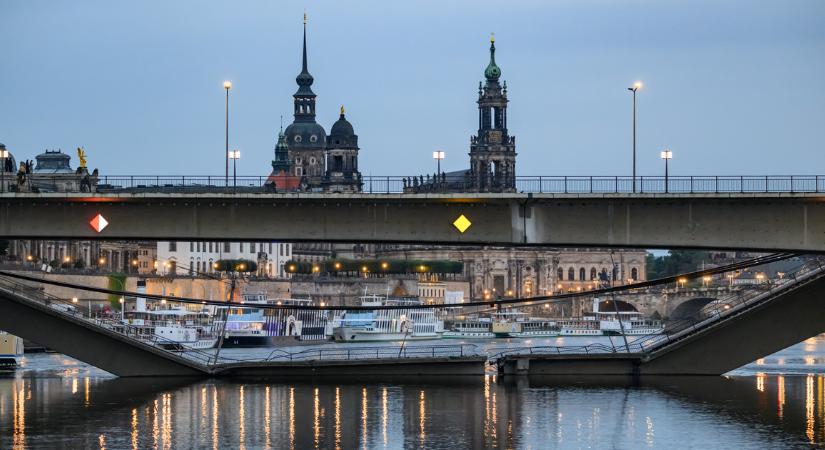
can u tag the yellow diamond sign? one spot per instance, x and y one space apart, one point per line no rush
462 223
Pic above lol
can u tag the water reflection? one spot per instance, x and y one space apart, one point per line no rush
761 411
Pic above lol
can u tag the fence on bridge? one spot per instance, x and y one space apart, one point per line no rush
378 184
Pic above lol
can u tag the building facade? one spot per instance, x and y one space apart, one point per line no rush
197 257
518 272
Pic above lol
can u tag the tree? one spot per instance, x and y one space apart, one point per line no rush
675 262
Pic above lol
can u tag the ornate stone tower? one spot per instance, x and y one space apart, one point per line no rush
493 150
305 138
342 173
282 177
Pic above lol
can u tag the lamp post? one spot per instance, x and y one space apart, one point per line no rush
636 86
227 85
666 155
438 156
234 155
3 155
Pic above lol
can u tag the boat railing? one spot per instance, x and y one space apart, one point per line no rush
379 352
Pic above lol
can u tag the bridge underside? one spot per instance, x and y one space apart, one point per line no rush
793 222
81 340
767 328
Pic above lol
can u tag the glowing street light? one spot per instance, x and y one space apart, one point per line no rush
666 155
234 155
3 155
227 85
438 156
636 86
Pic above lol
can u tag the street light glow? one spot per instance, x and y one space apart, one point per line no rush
227 85
637 85
438 154
234 154
667 154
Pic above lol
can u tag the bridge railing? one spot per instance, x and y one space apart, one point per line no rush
727 307
394 184
69 309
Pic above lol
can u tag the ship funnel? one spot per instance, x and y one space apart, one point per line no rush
140 302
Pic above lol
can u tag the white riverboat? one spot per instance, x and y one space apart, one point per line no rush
170 328
610 323
510 323
386 324
251 324
11 349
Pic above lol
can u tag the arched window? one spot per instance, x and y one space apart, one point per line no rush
634 274
571 274
592 273
581 274
191 265
615 273
561 274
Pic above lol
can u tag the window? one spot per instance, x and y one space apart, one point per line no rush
270 248
252 247
592 273
281 248
634 274
571 274
561 274
581 274
313 138
173 246
226 247
297 138
240 247
191 246
210 247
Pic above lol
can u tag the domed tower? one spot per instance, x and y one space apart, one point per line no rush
492 150
305 138
282 177
342 158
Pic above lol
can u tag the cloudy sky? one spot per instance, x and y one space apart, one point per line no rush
732 87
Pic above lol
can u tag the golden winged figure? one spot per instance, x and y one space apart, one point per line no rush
82 155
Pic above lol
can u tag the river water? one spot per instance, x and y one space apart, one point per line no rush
54 401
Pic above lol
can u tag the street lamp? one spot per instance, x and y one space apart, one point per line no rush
227 85
636 86
666 155
438 156
122 316
234 155
3 155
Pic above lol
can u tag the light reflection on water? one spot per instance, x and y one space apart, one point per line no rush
771 403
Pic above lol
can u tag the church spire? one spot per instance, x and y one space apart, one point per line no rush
492 72
304 68
304 79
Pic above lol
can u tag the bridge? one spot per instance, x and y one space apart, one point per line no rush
726 334
748 213
707 343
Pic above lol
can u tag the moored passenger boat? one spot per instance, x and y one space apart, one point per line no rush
11 349
386 324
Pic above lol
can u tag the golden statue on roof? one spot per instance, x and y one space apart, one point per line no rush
81 154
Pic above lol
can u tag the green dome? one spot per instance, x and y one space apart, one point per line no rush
492 72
